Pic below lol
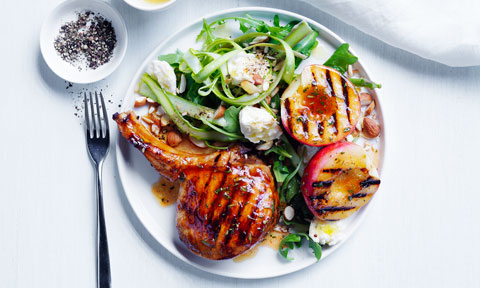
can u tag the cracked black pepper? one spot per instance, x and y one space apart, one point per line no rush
88 42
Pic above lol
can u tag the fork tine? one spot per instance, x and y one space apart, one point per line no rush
93 116
100 129
105 115
87 116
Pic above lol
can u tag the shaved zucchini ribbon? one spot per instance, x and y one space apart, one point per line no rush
183 124
203 74
176 106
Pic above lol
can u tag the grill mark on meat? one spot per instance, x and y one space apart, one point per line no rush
233 227
204 199
346 99
250 224
245 201
370 181
231 230
216 160
218 200
219 195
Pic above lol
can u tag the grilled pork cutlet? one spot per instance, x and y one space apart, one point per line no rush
227 201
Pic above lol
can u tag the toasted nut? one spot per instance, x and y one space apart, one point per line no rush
350 71
220 112
160 110
268 99
150 100
264 146
278 66
258 80
370 128
275 91
152 109
173 138
196 142
155 130
365 99
140 101
249 87
259 39
289 213
165 120
147 120
156 119
370 108
183 84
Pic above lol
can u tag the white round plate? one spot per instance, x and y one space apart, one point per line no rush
146 6
66 12
137 175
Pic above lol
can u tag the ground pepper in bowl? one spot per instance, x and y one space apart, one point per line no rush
88 42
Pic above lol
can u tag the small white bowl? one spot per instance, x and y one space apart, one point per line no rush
146 6
66 12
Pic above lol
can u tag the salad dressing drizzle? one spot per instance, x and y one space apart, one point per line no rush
165 191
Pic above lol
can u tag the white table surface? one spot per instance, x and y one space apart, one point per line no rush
421 231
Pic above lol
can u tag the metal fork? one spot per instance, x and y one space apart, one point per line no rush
98 143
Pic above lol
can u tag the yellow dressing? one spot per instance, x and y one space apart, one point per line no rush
156 1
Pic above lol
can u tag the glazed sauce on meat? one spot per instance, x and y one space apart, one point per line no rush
272 240
165 191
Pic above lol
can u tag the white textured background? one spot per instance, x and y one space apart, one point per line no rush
421 231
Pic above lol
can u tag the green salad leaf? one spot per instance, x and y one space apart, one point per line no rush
280 150
192 91
361 82
281 31
291 189
280 170
173 59
295 240
231 116
207 30
341 58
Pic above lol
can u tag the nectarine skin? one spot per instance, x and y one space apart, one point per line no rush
338 181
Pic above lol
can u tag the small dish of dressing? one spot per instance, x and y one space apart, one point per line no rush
150 5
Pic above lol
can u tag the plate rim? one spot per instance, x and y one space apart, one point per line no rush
171 247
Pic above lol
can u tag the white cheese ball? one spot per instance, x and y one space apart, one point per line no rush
243 66
164 74
327 232
258 125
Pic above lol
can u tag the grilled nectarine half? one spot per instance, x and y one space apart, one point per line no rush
320 107
339 180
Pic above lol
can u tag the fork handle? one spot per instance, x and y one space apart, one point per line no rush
103 258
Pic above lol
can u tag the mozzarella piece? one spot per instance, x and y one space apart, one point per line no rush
243 66
164 74
327 232
258 125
